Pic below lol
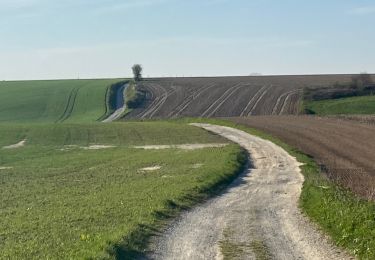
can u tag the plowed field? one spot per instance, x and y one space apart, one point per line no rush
345 149
226 96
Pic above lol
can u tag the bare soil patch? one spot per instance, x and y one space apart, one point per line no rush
151 168
98 147
6 168
180 146
15 146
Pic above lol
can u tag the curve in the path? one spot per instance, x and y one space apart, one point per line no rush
120 105
259 211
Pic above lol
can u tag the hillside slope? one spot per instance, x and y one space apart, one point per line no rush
53 101
344 149
226 96
350 106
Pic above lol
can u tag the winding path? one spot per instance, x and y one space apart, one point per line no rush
257 216
120 105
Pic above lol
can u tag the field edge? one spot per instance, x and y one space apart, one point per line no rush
340 214
361 105
110 98
136 244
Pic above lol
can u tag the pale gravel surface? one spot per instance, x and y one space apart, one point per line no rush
6 168
68 148
180 146
151 168
260 206
15 146
120 104
98 147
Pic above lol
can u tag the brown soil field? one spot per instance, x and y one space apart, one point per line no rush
226 96
344 148
365 119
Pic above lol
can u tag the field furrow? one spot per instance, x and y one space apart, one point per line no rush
219 96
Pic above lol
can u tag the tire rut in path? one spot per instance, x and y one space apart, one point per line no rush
259 208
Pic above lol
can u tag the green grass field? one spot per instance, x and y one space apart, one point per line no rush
53 101
60 201
352 105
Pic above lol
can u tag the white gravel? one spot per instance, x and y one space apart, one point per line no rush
6 168
151 168
180 146
15 146
261 206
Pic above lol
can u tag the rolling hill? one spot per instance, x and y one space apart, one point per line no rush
53 101
227 96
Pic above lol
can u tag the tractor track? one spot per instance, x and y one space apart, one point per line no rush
258 100
69 106
282 97
223 96
240 85
252 100
285 103
189 100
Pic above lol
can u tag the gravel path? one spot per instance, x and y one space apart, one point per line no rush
120 105
256 218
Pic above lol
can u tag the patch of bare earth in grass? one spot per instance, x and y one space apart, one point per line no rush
15 146
180 146
151 168
6 168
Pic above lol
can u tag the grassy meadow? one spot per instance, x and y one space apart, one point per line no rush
60 200
351 105
53 100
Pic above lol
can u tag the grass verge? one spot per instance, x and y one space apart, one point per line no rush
59 200
351 105
349 220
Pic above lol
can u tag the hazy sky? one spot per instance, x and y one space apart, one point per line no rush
43 39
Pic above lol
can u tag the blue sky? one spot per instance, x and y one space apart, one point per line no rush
47 39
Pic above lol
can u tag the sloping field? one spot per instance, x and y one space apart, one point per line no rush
53 101
226 96
344 148
349 106
83 191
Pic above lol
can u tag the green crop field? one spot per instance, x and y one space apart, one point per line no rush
352 105
61 200
53 101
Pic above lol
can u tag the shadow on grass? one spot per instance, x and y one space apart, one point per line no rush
134 246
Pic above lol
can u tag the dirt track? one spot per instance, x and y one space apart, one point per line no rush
345 148
257 216
120 105
226 96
